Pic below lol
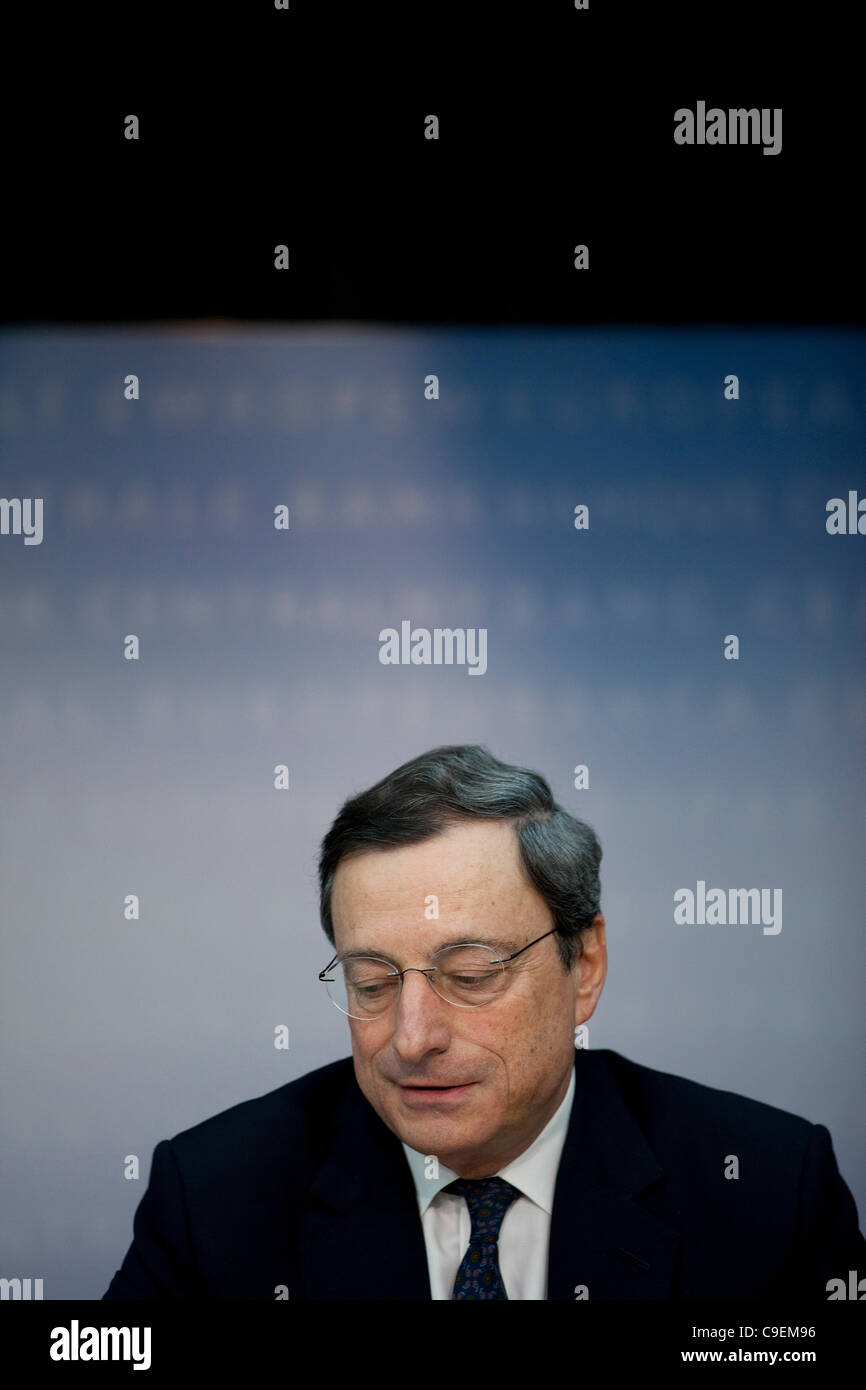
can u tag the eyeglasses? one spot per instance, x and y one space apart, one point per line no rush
469 975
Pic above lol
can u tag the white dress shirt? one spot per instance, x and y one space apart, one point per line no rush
525 1232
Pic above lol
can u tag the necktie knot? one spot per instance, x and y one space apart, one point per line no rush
488 1200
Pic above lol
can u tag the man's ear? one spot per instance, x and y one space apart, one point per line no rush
590 969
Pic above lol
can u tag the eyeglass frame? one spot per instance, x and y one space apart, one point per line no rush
429 970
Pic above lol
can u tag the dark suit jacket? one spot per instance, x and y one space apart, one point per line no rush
306 1187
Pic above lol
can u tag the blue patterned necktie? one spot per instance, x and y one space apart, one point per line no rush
488 1200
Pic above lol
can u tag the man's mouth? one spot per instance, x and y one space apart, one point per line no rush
440 1091
429 1086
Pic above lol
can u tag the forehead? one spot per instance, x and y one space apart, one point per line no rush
473 871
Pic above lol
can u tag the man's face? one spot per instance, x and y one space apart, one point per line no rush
512 1058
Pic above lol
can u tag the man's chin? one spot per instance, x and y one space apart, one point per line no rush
435 1131
429 1124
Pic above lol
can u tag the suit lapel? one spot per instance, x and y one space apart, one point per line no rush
360 1235
600 1238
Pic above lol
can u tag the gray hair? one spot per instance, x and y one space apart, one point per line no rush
445 786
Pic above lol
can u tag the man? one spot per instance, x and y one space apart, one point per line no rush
468 1150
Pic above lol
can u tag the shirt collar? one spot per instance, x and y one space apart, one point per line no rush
533 1172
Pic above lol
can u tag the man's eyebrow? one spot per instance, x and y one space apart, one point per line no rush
496 943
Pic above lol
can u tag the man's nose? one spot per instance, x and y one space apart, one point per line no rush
421 1020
